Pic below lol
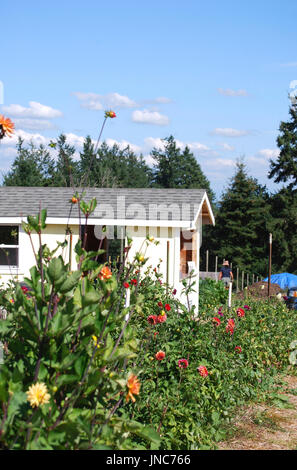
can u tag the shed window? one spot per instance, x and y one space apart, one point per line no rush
9 245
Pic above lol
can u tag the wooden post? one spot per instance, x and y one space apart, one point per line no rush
207 261
269 267
237 279
247 279
242 280
122 244
253 279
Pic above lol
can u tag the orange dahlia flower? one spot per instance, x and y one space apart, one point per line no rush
133 386
6 127
105 273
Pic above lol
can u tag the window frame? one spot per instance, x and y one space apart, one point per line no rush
4 267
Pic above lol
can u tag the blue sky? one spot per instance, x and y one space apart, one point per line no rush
216 75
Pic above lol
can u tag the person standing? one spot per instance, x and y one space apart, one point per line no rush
226 274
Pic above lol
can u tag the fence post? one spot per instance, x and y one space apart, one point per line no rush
247 279
237 279
230 295
127 302
242 280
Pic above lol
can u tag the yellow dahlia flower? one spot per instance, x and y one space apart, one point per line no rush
37 394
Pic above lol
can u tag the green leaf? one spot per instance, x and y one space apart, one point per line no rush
70 282
80 365
91 297
43 214
150 434
56 269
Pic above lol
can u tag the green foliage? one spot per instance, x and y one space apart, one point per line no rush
72 332
191 411
66 331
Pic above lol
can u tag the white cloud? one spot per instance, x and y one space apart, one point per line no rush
162 100
33 124
229 132
92 105
26 137
123 144
35 111
220 162
196 147
227 147
97 102
119 101
269 153
150 117
230 92
154 142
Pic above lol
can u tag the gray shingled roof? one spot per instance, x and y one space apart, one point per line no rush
118 203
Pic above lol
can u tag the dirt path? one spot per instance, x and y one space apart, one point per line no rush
267 427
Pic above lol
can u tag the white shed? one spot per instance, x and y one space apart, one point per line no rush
174 217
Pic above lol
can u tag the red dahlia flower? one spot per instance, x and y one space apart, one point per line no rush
160 304
133 282
126 285
160 355
161 318
216 321
240 312
152 319
203 371
167 307
183 363
230 326
238 349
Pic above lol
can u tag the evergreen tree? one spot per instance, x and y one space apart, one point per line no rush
241 234
284 169
178 169
113 167
66 168
33 166
283 226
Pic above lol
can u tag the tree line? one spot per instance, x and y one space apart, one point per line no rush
245 214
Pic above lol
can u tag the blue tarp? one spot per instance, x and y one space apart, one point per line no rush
284 280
